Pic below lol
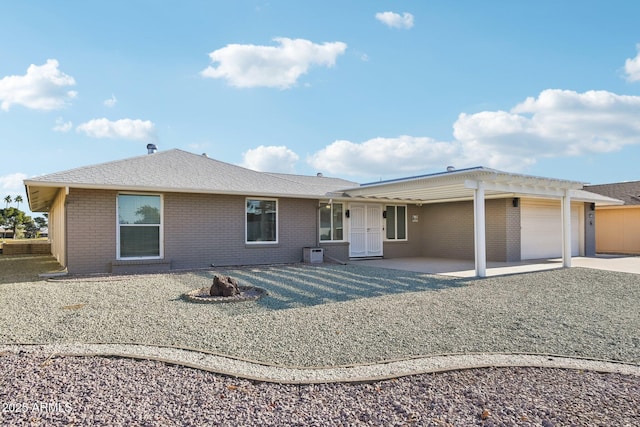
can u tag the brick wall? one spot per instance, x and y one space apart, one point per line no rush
338 251
24 248
496 230
199 230
91 230
514 232
448 230
415 232
57 233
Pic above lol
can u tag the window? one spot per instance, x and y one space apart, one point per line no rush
396 222
331 225
262 221
139 226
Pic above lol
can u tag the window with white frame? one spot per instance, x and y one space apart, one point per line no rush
139 226
261 221
331 222
396 222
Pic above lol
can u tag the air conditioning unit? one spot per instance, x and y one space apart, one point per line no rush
313 255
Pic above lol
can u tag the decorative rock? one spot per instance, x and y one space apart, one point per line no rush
224 286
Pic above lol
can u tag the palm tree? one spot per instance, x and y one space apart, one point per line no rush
8 199
18 200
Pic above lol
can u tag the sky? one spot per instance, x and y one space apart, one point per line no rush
362 90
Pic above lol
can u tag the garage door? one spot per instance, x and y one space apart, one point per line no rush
541 222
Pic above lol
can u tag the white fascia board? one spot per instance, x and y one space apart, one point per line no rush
598 199
518 188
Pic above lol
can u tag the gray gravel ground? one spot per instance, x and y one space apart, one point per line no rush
36 390
324 316
339 315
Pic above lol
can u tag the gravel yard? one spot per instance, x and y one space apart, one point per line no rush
337 315
324 316
122 392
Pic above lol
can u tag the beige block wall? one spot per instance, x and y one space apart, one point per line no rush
618 230
26 248
199 230
448 230
91 230
57 232
415 232
212 231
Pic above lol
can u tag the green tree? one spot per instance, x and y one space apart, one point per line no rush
40 222
18 199
149 214
30 228
12 218
3 222
8 200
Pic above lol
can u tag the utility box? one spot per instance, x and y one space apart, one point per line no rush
313 255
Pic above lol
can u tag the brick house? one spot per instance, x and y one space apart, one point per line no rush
177 210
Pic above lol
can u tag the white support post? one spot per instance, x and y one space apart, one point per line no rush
479 230
566 230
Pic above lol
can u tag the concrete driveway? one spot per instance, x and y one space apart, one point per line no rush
625 264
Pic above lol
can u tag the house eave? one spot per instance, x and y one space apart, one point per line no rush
36 205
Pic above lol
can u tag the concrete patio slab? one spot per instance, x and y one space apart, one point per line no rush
466 269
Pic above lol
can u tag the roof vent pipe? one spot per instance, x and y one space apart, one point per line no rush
450 168
151 148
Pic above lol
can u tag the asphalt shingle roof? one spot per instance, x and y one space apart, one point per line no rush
181 171
628 192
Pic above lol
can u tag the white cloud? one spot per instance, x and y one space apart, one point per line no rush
271 66
558 123
111 102
43 87
270 159
139 130
395 20
384 156
632 67
62 126
12 183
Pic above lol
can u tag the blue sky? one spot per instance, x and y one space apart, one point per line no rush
363 90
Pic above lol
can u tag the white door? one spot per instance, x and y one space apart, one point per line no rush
366 228
541 223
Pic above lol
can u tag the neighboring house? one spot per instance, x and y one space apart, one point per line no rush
177 210
618 228
6 233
